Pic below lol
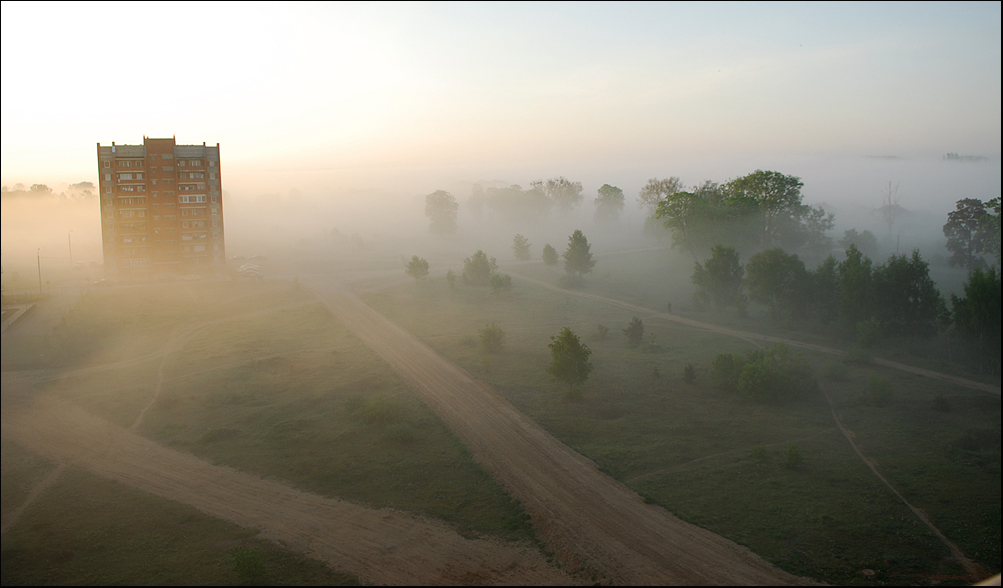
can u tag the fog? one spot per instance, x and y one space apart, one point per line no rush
375 345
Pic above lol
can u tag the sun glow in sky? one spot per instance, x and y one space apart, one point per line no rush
394 95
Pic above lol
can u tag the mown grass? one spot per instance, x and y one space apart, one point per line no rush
692 448
88 530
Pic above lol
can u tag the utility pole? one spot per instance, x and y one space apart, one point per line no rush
70 241
38 258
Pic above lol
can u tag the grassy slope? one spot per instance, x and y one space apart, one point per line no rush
829 517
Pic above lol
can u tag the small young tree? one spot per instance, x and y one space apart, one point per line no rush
569 359
492 338
602 331
451 278
634 332
520 246
417 268
578 258
549 254
477 269
977 319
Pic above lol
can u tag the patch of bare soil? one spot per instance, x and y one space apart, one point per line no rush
589 520
379 546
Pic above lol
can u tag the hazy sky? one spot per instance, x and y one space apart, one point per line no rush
386 94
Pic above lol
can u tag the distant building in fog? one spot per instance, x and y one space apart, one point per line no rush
161 207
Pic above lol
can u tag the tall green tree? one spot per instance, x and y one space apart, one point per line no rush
520 247
866 242
720 277
977 319
780 281
784 220
562 192
657 190
965 232
549 254
569 359
906 300
991 229
578 257
854 288
609 203
441 208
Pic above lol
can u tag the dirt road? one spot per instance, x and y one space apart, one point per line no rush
379 546
588 519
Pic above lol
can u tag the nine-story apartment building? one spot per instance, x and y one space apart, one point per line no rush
161 207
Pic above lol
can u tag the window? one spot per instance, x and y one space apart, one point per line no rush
215 212
107 177
154 182
168 181
107 190
193 199
214 200
107 164
212 176
215 223
167 156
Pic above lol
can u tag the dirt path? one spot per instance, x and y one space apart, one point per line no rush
588 519
379 546
750 336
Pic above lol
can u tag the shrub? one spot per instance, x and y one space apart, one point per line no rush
634 332
602 332
776 375
501 282
249 564
492 338
451 278
725 369
878 392
689 373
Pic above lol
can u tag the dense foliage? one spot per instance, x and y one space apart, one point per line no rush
569 359
441 208
477 269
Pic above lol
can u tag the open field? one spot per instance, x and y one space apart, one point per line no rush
87 530
693 449
259 378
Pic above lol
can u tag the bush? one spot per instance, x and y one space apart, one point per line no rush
602 332
249 564
725 369
501 282
776 375
634 332
492 338
878 392
689 373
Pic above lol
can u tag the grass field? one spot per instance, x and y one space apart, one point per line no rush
261 378
718 460
87 530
